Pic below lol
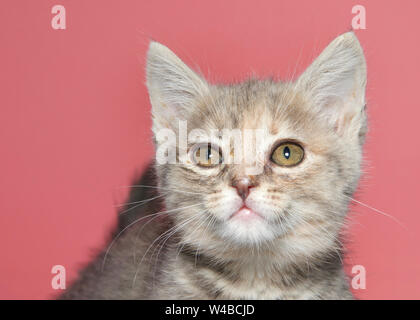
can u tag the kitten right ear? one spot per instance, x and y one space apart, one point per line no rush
335 84
173 87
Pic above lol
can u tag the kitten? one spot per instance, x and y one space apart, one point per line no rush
207 228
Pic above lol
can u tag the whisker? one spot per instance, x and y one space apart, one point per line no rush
176 227
202 222
138 203
160 188
155 216
378 211
211 222
133 207
136 221
163 245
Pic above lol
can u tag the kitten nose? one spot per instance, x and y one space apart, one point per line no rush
242 186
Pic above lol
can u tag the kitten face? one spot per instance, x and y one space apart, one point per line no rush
302 205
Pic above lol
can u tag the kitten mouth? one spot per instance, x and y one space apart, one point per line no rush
246 213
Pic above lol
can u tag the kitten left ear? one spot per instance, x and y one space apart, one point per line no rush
335 82
173 87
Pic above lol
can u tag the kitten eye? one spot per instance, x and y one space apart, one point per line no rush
287 154
206 155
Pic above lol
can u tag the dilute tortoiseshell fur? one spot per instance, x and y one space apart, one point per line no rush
296 252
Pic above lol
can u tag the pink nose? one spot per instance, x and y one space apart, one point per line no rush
242 186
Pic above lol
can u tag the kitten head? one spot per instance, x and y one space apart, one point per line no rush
260 161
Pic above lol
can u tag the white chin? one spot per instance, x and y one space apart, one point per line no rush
247 232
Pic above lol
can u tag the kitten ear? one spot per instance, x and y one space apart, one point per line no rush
173 87
335 82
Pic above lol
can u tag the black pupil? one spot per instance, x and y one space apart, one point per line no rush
209 153
286 152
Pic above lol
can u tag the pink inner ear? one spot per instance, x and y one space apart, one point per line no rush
343 122
338 111
166 115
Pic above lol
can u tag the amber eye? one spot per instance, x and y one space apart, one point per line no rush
207 155
287 154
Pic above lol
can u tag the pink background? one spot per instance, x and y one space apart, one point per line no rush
75 127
